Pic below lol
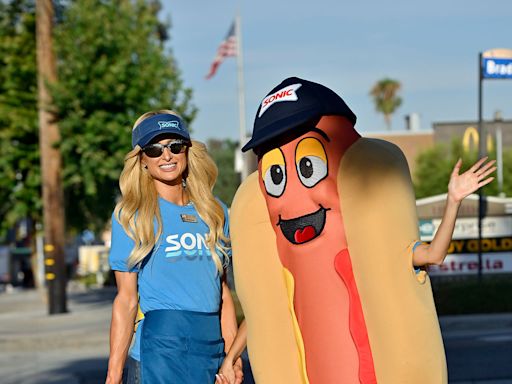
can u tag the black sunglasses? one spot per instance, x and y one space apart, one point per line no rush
156 150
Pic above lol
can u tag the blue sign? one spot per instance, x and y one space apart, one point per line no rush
427 228
493 68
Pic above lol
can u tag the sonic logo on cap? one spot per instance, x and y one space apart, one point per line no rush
284 94
169 124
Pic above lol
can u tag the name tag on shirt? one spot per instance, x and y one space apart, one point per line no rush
188 218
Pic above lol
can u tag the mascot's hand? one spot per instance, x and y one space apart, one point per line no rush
470 181
239 372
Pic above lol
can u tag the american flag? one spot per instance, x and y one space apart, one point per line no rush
228 48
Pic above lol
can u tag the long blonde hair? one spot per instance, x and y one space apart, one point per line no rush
139 207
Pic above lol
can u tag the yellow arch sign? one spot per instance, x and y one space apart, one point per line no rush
471 137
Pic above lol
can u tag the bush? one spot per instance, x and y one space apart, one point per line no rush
468 295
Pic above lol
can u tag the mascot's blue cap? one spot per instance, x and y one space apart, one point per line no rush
292 103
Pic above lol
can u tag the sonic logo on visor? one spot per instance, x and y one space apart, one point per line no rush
169 124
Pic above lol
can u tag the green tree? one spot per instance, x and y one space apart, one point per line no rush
386 99
434 167
113 65
20 184
223 153
507 174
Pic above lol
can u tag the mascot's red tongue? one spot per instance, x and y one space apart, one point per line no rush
304 234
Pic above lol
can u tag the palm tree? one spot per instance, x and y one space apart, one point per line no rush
385 96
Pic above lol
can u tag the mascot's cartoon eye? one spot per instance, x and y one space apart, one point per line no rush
275 180
311 170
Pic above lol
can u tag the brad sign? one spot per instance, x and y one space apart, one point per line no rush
497 68
497 64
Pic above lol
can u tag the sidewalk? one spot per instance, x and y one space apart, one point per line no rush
72 348
66 348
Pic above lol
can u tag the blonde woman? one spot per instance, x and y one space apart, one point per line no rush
170 244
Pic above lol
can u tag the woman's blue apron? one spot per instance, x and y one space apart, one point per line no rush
182 347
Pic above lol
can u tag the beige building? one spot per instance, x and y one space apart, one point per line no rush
412 143
433 207
467 132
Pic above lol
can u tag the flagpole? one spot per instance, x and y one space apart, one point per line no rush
241 92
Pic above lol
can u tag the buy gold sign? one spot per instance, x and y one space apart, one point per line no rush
500 244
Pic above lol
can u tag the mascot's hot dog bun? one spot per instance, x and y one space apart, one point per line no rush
261 289
333 249
379 210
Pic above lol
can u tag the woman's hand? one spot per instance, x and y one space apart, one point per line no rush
230 373
226 373
470 181
221 379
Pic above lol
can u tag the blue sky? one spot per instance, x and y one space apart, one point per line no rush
431 47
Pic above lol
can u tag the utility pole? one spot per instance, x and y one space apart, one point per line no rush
49 137
481 152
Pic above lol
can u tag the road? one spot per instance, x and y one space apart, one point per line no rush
478 348
72 348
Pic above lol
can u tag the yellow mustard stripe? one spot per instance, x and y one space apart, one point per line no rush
273 157
290 287
310 147
138 318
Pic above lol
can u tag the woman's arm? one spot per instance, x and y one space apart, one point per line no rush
459 187
124 311
238 345
229 326
227 317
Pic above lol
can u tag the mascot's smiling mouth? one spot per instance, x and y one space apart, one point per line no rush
304 228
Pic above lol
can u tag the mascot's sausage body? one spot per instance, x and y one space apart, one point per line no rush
322 238
312 247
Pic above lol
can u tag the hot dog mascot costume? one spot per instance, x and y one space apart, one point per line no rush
322 238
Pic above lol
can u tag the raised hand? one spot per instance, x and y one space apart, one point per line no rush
470 181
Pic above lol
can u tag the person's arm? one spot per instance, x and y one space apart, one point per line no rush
228 324
459 187
124 311
226 372
227 317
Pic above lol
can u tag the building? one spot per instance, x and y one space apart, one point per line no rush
462 258
412 143
467 132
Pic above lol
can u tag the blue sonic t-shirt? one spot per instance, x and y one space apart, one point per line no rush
180 273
